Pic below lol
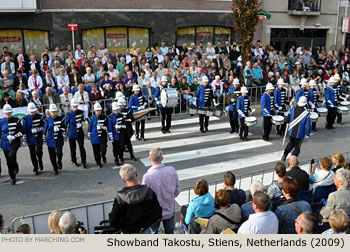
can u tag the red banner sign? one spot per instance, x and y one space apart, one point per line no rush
10 39
116 35
72 27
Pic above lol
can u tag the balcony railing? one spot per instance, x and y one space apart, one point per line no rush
304 7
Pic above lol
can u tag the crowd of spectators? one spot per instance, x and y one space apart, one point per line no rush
280 208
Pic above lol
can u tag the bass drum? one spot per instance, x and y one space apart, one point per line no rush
169 97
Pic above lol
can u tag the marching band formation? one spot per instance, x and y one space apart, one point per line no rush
297 119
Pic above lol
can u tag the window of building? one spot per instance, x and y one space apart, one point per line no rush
36 40
116 38
212 34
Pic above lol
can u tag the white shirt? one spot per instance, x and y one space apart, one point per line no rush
37 80
113 74
260 223
154 82
77 55
128 58
32 65
78 97
62 81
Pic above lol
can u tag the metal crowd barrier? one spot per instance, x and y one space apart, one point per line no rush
92 214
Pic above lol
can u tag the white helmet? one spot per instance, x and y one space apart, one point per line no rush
31 107
73 102
115 106
303 81
97 106
205 79
118 95
136 88
269 86
122 101
236 81
244 90
302 101
7 108
280 82
312 83
52 108
337 77
332 80
164 79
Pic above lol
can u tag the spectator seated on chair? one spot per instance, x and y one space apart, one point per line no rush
247 208
339 222
53 221
339 161
300 175
237 196
306 223
323 176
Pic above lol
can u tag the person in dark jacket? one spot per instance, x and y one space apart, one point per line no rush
135 207
298 174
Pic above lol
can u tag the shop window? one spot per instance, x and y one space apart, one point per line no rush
222 34
116 37
12 39
36 40
92 37
185 35
140 36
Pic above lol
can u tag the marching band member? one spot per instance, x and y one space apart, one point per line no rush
204 97
331 103
302 91
340 96
123 120
11 131
54 128
97 133
243 108
280 99
314 98
137 102
300 125
165 112
232 110
75 120
127 114
115 127
33 125
267 106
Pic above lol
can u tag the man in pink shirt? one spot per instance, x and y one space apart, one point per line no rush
164 181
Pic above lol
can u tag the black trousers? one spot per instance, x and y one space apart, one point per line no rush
203 122
233 115
97 153
56 153
332 113
281 128
339 117
137 128
11 159
73 146
116 149
125 140
267 125
243 129
294 143
36 153
166 118
313 125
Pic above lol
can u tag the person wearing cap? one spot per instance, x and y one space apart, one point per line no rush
280 100
125 133
99 130
116 121
75 120
303 91
11 131
204 97
165 112
136 103
33 125
267 108
313 98
331 102
232 110
299 125
53 132
243 109
340 96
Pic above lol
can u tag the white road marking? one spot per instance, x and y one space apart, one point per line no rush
195 119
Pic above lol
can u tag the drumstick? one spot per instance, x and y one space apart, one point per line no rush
253 110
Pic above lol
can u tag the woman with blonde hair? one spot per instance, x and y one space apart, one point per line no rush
53 221
339 161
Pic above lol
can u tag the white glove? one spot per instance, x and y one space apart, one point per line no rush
25 143
123 126
104 127
139 108
10 138
313 106
34 130
347 96
118 126
79 125
55 129
215 104
233 99
306 136
110 139
143 107
279 108
98 127
158 102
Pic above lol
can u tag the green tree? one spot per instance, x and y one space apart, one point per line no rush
245 18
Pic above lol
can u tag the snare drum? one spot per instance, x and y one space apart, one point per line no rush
210 112
277 120
345 103
313 117
202 111
343 110
251 121
169 97
322 112
218 112
192 111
